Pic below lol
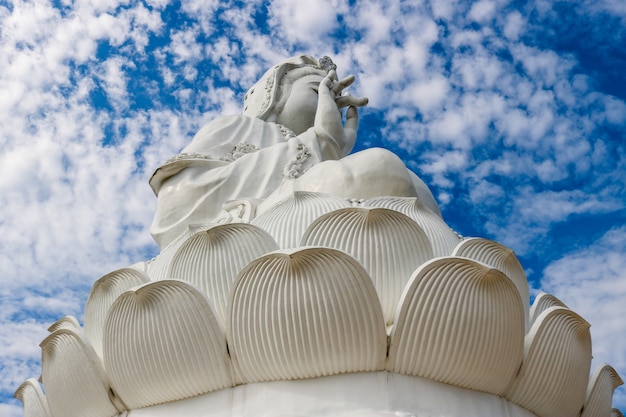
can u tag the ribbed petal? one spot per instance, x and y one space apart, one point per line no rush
500 257
103 293
73 377
304 314
557 356
67 322
600 392
33 399
387 243
211 260
158 268
287 220
162 343
442 238
543 301
461 323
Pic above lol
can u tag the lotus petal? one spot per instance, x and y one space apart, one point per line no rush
442 238
461 323
543 301
139 266
158 268
600 392
389 244
73 377
500 257
304 314
557 356
616 413
102 295
163 343
287 220
67 322
31 396
211 260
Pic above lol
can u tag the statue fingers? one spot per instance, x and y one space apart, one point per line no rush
340 85
348 100
329 80
351 126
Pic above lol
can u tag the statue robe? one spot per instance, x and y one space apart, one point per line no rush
233 157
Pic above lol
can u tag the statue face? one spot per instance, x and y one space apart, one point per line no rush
298 112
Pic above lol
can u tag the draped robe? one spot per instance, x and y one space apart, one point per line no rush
233 157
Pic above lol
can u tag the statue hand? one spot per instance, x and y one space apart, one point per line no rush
328 119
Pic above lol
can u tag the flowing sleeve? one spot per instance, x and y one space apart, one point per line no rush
232 158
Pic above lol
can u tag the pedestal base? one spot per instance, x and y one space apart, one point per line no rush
374 394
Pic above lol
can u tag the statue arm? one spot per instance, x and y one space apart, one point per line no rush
335 136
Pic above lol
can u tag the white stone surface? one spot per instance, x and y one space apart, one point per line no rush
543 302
600 391
553 379
387 243
287 219
294 123
500 257
103 294
371 394
442 238
74 380
210 260
305 313
35 402
163 343
461 323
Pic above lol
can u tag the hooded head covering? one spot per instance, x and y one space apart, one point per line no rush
260 100
210 144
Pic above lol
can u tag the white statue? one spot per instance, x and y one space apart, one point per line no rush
291 121
295 279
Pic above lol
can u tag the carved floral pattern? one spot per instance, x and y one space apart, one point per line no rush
295 167
239 151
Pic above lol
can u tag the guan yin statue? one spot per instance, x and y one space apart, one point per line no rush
297 280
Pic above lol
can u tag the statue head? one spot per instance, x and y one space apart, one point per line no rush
269 95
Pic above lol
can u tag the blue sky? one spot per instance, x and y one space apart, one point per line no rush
513 112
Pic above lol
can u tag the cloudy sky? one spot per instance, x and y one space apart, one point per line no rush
513 112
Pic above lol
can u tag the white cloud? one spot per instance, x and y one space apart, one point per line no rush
482 11
439 165
462 38
428 96
299 22
445 9
615 110
114 82
478 72
514 25
615 7
203 11
11 410
185 47
19 352
544 67
531 213
487 193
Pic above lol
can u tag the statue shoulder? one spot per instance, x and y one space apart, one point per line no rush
222 135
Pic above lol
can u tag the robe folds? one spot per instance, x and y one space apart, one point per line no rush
233 157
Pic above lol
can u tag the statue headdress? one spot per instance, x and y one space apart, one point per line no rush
258 103
261 98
